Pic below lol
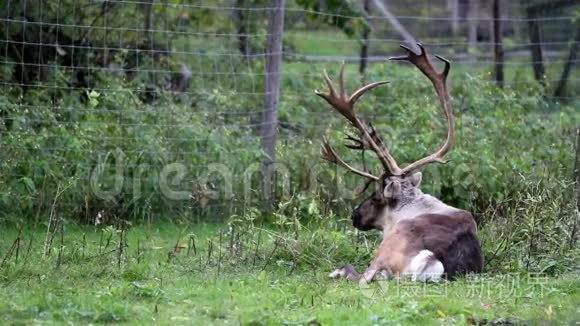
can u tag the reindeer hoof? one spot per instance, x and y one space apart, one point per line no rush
337 273
346 271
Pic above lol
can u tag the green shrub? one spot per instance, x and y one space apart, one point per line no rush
501 134
52 139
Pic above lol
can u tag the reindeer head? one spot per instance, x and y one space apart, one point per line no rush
394 194
399 187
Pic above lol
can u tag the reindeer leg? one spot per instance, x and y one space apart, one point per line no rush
348 272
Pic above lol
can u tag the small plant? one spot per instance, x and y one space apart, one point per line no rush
531 230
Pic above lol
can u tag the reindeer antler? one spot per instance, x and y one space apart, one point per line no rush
328 153
370 138
439 81
345 105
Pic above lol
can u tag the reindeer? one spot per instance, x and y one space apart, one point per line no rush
423 237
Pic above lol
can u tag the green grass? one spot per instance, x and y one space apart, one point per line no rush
158 279
322 42
518 77
333 42
196 53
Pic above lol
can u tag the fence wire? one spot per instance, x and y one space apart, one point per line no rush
169 81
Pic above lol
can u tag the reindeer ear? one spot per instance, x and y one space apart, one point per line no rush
416 179
392 190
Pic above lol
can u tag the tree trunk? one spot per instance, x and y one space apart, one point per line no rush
453 7
568 66
536 47
272 96
498 42
242 22
364 49
148 11
473 22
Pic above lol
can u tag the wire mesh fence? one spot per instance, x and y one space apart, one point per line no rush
91 88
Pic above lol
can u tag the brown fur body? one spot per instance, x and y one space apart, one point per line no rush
452 239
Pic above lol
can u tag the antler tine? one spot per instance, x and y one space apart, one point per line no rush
328 84
439 80
377 137
358 143
345 106
359 92
339 102
422 62
341 81
328 153
447 65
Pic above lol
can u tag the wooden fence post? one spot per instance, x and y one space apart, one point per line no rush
272 96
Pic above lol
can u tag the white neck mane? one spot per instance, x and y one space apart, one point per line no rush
422 204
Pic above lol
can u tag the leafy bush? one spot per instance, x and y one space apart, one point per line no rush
533 230
51 139
500 135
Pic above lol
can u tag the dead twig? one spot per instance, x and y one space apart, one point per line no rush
276 242
51 218
13 248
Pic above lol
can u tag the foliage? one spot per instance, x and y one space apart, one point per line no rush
533 229
51 136
344 14
73 135
95 106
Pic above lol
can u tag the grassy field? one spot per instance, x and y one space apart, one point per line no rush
199 274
